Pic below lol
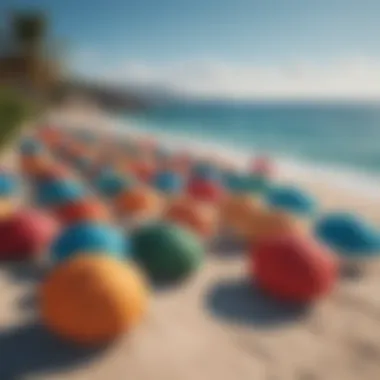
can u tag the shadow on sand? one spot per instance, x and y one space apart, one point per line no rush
351 271
29 349
226 246
241 302
31 272
28 302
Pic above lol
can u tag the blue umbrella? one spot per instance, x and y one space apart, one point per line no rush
348 234
168 182
9 184
291 199
245 183
206 171
58 192
110 184
90 238
255 183
30 147
234 181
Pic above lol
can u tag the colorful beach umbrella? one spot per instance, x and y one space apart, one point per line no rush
91 301
166 252
206 171
348 234
205 190
168 182
53 172
26 234
31 146
199 217
261 165
291 199
139 201
293 268
84 210
110 183
91 238
9 184
57 192
233 181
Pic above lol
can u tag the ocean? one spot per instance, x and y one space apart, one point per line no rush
340 139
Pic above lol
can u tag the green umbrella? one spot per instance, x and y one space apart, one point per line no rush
166 251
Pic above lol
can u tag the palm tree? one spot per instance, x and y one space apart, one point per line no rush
29 31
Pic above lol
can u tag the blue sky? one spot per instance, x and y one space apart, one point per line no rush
204 46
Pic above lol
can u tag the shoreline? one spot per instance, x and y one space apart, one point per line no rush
358 182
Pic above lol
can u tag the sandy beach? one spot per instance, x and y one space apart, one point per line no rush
212 327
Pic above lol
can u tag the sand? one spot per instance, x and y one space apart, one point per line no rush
212 327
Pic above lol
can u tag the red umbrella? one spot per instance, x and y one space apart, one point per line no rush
88 209
261 165
204 190
293 267
26 234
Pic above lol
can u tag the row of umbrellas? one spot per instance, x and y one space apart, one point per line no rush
178 203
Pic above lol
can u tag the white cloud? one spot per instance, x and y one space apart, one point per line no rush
357 78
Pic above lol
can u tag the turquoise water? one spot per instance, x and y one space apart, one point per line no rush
344 135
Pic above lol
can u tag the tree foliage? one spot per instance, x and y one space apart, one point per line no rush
29 29
15 109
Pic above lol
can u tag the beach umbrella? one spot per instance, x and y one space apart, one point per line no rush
199 217
348 234
267 223
53 171
30 147
166 252
205 190
182 160
293 268
241 214
144 170
32 165
110 183
244 183
9 184
291 199
26 234
261 166
139 201
168 182
8 206
50 136
233 181
57 192
205 171
82 210
93 300
92 238
256 184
